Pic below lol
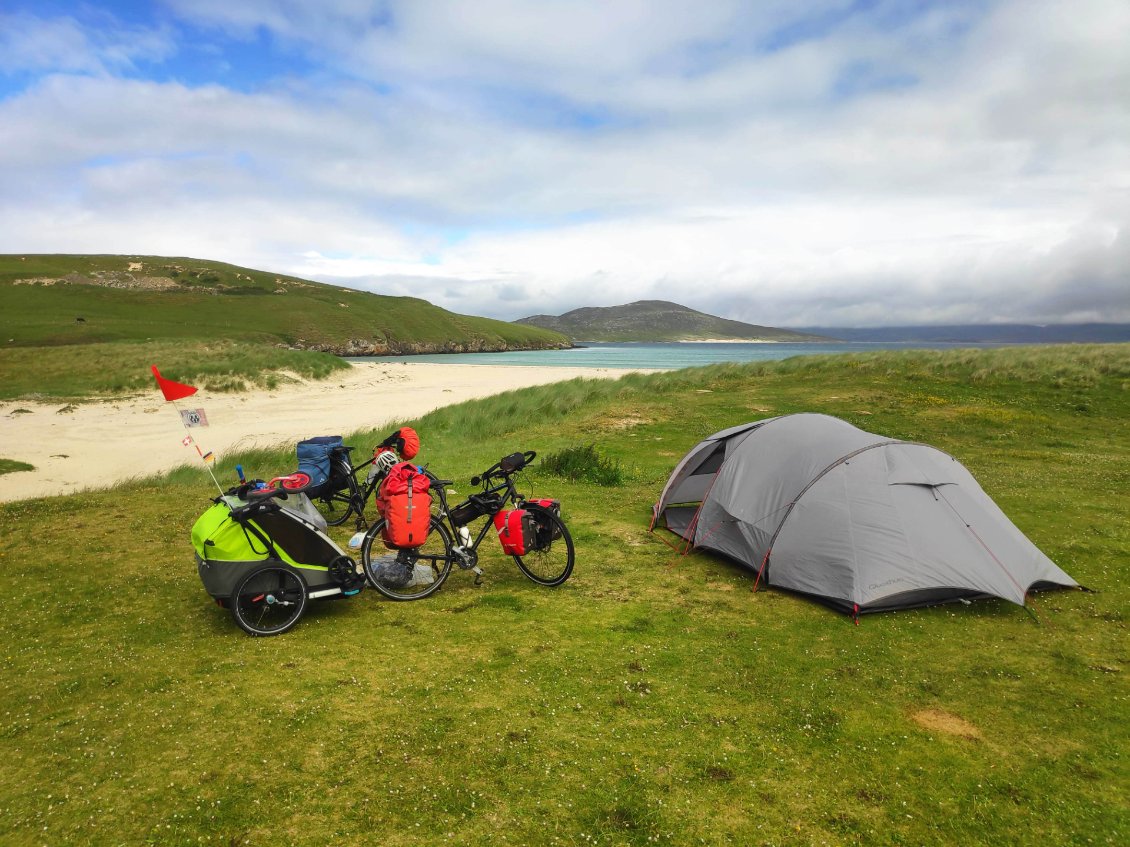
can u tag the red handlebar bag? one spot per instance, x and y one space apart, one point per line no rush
405 502
516 530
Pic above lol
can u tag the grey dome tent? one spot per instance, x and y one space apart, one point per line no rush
859 521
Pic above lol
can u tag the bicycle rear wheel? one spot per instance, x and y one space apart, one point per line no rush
269 601
408 574
551 562
337 506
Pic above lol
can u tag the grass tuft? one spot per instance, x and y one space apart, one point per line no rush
14 466
583 464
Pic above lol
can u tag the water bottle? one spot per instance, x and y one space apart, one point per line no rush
355 541
464 537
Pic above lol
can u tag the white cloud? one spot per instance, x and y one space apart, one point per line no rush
32 44
967 163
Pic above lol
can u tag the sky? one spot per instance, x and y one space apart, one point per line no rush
782 162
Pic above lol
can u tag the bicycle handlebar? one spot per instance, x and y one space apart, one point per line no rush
436 481
505 466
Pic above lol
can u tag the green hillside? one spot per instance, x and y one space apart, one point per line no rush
651 699
50 300
656 320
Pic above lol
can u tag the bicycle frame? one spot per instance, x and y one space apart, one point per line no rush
510 498
366 488
347 488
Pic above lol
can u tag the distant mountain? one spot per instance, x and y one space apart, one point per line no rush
657 320
983 333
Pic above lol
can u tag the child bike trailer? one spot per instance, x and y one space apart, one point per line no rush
264 559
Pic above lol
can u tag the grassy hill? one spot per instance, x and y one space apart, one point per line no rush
652 699
656 320
67 300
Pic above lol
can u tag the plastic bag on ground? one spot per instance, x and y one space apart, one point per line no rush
393 571
421 575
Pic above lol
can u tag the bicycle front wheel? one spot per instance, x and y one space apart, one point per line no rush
337 506
410 574
269 601
551 562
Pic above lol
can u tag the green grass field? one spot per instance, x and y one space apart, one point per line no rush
652 699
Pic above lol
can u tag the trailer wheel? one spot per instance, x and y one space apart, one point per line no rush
269 600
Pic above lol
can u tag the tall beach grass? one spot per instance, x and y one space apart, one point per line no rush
117 368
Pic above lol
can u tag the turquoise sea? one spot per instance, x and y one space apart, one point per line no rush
657 355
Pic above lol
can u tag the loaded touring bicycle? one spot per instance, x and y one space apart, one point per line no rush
263 553
530 531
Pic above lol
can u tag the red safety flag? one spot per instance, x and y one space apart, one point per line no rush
173 390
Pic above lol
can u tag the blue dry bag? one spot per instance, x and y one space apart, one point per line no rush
314 457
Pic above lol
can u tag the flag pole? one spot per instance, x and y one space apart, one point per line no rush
206 458
172 392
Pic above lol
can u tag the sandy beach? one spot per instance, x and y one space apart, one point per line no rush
96 444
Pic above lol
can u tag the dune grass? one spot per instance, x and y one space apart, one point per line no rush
122 367
651 699
13 466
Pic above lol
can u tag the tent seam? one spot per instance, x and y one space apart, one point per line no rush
840 461
1023 591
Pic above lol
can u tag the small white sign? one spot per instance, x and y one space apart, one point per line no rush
194 417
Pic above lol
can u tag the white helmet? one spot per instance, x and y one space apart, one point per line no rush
384 460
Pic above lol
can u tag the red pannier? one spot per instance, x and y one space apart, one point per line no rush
546 503
516 530
550 506
406 505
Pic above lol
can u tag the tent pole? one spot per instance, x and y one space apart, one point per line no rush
761 570
693 526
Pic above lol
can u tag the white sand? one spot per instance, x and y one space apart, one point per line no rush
95 444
